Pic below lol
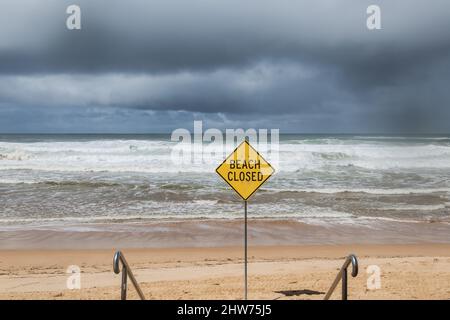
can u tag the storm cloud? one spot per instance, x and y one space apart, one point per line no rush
153 66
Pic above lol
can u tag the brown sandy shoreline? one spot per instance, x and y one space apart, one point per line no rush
410 271
218 233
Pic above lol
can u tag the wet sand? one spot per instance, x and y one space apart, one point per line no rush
414 271
218 233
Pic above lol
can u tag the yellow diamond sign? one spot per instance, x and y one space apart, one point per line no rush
245 170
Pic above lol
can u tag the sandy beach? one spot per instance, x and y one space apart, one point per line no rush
416 271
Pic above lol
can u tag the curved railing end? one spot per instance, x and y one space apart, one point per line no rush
116 262
354 262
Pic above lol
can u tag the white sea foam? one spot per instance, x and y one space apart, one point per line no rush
422 207
114 180
306 214
375 191
155 156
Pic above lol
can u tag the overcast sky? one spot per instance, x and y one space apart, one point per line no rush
154 66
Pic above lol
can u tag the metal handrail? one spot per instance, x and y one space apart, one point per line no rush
343 275
126 272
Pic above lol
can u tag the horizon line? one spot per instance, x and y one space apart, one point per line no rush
285 133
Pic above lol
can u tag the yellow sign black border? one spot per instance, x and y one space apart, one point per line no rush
259 155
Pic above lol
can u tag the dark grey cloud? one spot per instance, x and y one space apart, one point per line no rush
166 36
299 65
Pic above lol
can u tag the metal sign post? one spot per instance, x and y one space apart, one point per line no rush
245 170
245 245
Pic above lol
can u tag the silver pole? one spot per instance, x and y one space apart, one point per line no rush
342 275
344 284
126 272
123 292
245 245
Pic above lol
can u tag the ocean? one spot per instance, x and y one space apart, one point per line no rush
109 182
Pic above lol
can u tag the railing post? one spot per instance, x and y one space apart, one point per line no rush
126 272
123 293
343 276
344 284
